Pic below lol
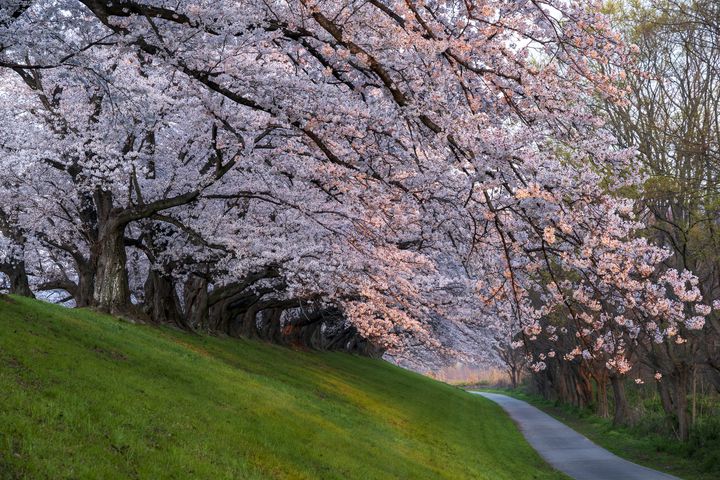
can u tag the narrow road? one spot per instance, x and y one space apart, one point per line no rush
568 451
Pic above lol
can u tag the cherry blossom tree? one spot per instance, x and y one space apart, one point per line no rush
404 163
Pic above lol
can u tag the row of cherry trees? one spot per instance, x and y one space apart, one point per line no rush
382 167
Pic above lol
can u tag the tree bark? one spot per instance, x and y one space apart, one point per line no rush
248 325
602 397
195 296
19 283
85 287
620 416
694 397
681 405
161 300
665 399
112 291
270 330
514 376
673 390
584 387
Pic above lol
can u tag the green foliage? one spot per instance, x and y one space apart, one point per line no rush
660 187
87 396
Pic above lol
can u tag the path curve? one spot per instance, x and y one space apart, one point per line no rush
568 451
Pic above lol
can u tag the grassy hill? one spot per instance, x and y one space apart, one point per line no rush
84 395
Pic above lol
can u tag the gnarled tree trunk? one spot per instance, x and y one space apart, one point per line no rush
19 283
161 300
86 286
112 291
195 296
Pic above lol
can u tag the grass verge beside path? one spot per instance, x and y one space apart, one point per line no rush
653 451
86 396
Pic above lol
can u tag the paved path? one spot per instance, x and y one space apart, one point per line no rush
567 450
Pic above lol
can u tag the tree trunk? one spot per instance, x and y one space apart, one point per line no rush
664 393
195 296
161 300
584 387
271 329
602 397
694 397
112 291
514 376
248 326
673 390
621 407
86 286
19 284
681 405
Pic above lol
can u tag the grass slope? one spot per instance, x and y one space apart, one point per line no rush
83 395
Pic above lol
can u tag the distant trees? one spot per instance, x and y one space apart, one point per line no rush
670 115
673 117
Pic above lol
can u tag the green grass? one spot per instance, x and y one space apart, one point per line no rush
698 459
84 395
